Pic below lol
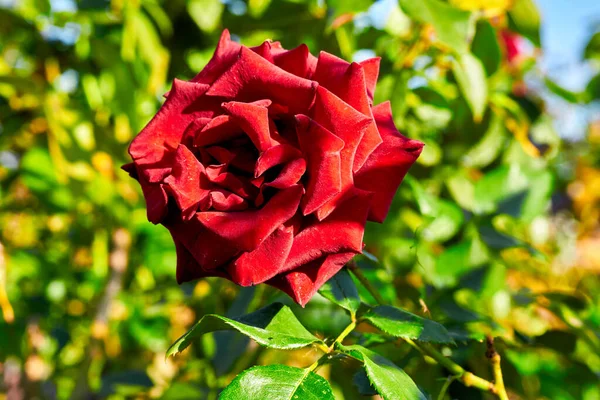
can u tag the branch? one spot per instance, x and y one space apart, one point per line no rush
495 359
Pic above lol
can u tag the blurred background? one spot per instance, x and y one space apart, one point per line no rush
496 229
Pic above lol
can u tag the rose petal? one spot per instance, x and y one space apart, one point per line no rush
253 119
131 170
276 155
297 61
219 129
264 262
342 231
291 173
184 181
301 284
264 50
236 184
347 81
225 55
385 169
239 157
223 200
208 249
165 131
371 68
188 268
156 201
349 125
252 77
247 229
322 153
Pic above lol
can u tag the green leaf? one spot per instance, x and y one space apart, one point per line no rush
592 49
206 13
447 217
593 88
470 75
256 8
403 324
451 25
340 7
462 189
433 109
390 381
486 48
275 382
274 326
342 291
499 184
398 23
363 384
524 18
457 260
565 94
538 198
489 147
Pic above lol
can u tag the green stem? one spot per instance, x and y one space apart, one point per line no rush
444 389
343 335
315 365
466 377
365 282
330 349
495 359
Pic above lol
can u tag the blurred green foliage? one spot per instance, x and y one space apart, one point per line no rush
496 230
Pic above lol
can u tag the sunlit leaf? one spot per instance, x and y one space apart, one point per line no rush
486 48
206 13
390 381
403 324
273 326
451 25
342 291
525 19
470 75
277 382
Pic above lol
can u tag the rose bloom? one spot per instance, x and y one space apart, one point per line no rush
266 165
513 45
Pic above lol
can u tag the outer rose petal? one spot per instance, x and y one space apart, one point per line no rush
247 229
341 232
385 169
264 262
348 82
297 61
165 131
225 55
252 77
184 181
371 68
188 268
156 201
322 153
302 283
349 125
208 249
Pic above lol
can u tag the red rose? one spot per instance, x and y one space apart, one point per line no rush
513 45
267 164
